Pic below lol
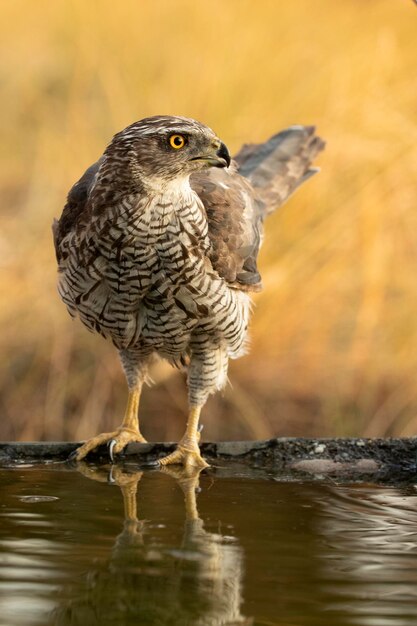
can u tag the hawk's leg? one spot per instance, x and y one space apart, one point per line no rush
188 452
128 431
206 373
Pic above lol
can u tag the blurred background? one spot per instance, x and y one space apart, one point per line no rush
334 334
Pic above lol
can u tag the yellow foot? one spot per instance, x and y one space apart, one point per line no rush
186 454
117 440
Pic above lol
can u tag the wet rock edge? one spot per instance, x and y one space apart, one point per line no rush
347 459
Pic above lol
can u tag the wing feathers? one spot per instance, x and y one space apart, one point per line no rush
75 205
279 166
261 179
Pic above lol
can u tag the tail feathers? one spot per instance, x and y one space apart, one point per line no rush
279 166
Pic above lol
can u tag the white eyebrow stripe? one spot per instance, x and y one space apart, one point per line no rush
164 126
170 130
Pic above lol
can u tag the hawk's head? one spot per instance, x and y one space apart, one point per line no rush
164 148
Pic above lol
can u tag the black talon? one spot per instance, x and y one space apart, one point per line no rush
111 445
73 456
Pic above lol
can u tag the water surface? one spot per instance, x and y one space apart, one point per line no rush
151 549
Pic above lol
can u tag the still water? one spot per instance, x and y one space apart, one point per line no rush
87 548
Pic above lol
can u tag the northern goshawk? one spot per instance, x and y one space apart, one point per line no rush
157 251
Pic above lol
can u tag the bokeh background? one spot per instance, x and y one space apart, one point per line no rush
334 335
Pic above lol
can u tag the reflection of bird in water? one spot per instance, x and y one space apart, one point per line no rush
157 251
196 583
217 573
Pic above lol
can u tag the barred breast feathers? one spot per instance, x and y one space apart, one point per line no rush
150 254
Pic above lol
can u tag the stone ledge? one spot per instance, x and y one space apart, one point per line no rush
382 460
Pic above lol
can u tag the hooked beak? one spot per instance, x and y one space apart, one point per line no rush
220 158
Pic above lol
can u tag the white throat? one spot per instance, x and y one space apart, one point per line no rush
168 188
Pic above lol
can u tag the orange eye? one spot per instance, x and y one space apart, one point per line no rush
177 141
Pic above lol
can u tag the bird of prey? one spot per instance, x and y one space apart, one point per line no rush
157 251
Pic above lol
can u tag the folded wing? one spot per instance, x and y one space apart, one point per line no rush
260 179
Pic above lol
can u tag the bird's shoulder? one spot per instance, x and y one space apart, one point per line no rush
234 216
75 206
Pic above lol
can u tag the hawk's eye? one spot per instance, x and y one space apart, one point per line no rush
177 141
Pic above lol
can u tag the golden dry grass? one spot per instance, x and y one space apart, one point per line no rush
334 349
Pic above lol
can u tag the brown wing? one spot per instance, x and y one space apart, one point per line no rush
74 207
234 215
261 179
277 167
